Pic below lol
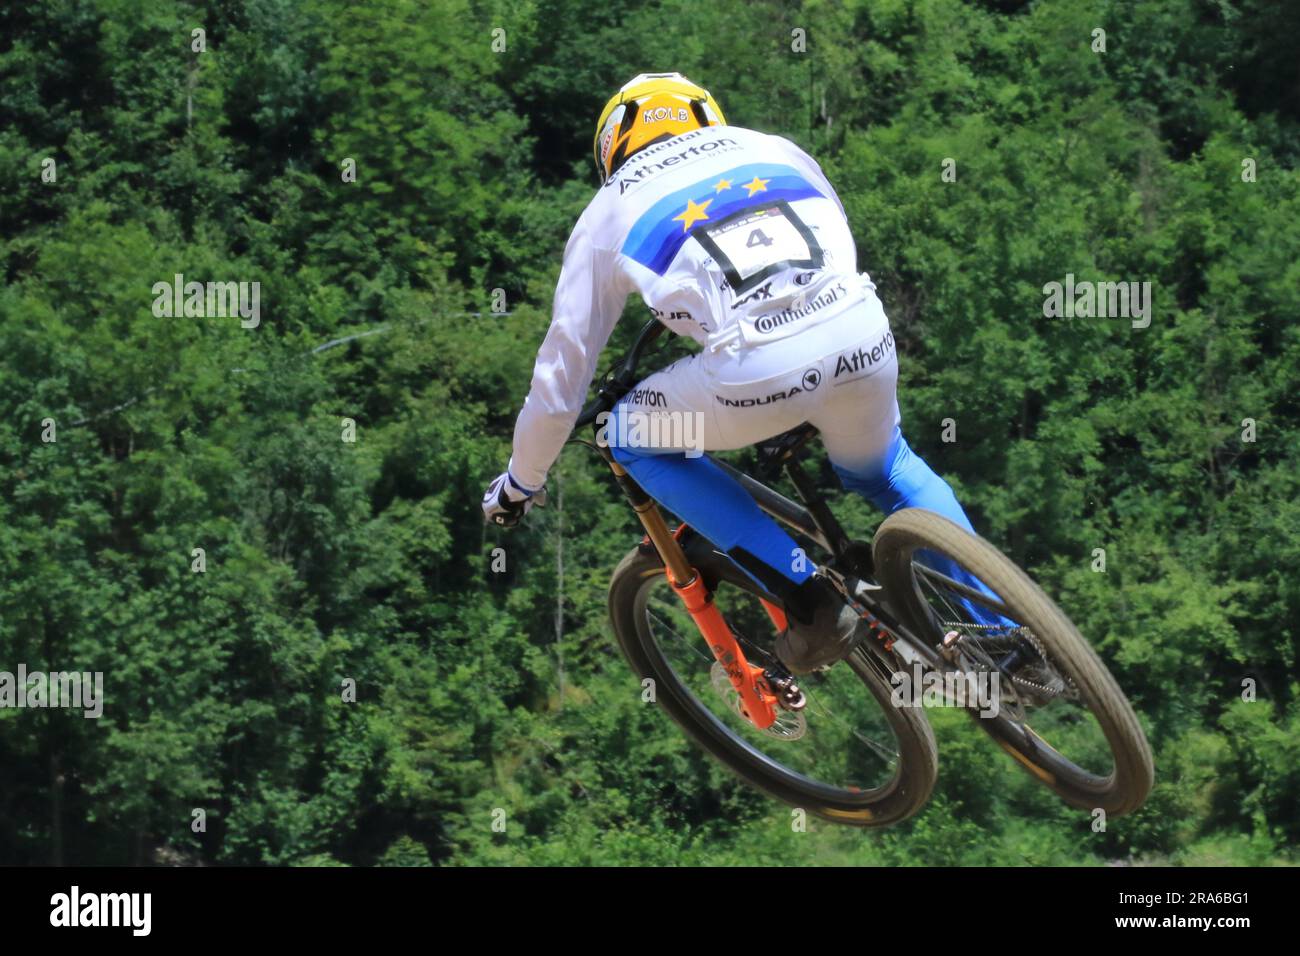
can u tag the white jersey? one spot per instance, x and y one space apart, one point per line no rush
732 237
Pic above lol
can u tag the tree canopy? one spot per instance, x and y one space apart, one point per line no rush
184 508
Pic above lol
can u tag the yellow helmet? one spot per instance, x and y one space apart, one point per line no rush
649 108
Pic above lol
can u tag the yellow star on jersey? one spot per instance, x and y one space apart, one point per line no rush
693 214
721 184
757 185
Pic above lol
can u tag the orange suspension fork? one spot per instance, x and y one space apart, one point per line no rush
776 614
758 701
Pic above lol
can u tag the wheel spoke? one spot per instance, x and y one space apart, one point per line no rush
965 590
1035 683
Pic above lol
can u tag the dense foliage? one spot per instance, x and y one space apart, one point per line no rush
328 561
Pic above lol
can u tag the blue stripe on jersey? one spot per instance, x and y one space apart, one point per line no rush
656 237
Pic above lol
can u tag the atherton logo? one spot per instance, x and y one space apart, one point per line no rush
864 360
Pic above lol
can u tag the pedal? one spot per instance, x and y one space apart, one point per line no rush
851 587
862 589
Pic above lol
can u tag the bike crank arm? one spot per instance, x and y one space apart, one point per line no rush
890 636
758 701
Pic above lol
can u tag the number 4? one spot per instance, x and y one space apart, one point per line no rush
757 238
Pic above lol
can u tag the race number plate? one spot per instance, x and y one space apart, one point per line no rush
752 244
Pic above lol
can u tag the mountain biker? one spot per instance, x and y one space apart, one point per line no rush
736 239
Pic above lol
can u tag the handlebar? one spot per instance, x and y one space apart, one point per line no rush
621 378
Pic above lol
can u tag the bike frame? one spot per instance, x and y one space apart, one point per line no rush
812 519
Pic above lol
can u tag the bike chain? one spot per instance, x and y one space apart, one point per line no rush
1070 688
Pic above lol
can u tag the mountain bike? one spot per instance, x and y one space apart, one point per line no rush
844 743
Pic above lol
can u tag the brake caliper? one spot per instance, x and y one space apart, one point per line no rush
788 694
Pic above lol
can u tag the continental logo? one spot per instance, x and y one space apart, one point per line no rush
811 379
863 362
772 321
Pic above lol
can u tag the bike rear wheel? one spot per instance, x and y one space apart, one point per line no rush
1045 671
855 759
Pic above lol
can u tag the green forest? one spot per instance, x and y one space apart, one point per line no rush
266 533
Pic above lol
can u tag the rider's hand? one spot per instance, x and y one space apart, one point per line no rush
505 501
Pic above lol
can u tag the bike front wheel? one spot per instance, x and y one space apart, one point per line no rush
849 756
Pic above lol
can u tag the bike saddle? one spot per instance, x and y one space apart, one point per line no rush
776 451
